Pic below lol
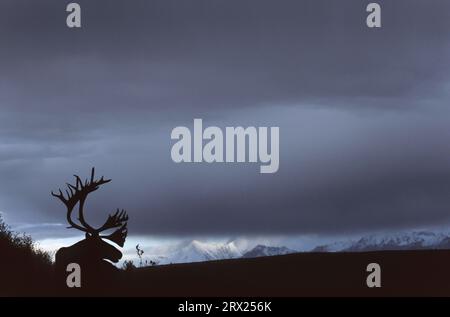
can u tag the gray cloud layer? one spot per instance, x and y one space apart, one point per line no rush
363 113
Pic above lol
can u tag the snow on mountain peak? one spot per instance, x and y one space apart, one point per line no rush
197 251
262 250
394 241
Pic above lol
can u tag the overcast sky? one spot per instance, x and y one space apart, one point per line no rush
363 114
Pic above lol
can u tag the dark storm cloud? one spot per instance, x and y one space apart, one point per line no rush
362 113
151 55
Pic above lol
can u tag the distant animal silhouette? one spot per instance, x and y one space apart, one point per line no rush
92 252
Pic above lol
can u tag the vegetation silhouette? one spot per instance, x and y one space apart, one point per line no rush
24 268
93 253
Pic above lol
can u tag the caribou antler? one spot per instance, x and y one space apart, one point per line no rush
77 194
119 219
118 236
114 221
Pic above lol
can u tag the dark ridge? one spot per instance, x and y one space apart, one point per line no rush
25 269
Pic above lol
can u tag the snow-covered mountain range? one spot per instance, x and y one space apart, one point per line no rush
198 251
415 240
263 250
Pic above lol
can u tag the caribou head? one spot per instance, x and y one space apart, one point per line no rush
93 248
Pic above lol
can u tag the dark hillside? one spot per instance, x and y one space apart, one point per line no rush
24 269
403 273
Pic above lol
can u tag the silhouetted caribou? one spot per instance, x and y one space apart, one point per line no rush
92 252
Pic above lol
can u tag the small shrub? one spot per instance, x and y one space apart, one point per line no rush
24 267
128 265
